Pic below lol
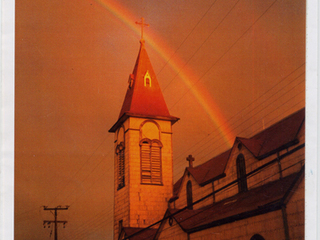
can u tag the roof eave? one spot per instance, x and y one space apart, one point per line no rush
126 115
285 146
212 179
269 207
261 210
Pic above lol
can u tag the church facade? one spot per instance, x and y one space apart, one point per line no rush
255 190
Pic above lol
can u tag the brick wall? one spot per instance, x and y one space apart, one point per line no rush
140 205
295 212
269 225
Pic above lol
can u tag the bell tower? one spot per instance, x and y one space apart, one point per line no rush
143 172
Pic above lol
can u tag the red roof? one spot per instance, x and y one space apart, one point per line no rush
279 136
144 100
205 173
144 233
268 197
210 170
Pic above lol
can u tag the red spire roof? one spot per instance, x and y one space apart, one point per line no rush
144 97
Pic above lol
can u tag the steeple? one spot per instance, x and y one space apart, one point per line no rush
144 97
143 150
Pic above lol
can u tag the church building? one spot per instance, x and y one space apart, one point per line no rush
254 190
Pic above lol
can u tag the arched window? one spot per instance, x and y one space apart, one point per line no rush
257 237
120 161
150 154
241 174
189 195
147 79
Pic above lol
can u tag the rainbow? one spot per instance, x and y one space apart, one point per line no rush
201 94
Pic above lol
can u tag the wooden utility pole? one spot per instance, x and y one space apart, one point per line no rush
55 221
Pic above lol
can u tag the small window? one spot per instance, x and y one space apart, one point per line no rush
189 195
257 237
147 79
121 165
241 174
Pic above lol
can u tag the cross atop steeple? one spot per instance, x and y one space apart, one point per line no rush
142 25
144 96
190 159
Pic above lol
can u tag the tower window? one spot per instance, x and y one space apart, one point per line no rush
189 195
241 173
150 154
147 79
120 159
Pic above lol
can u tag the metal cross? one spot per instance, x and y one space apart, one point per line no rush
142 25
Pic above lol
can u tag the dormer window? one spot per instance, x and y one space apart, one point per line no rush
147 79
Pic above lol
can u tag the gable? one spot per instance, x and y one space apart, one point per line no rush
203 174
179 189
277 137
230 169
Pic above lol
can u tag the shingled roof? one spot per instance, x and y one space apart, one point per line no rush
277 137
263 199
204 173
142 99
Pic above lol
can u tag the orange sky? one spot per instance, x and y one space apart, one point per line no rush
243 59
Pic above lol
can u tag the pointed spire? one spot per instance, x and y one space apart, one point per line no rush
144 97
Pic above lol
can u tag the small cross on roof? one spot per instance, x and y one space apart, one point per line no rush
190 159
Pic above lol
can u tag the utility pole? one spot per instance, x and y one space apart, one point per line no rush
55 221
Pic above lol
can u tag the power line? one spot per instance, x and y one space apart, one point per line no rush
86 177
92 223
224 53
185 39
275 160
55 221
202 45
243 130
181 171
204 209
82 166
240 112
